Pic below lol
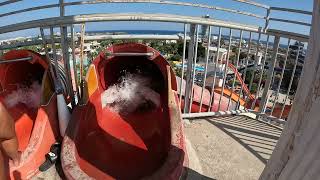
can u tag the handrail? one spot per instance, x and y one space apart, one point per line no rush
291 10
290 21
285 34
168 2
134 1
29 9
78 19
9 2
253 3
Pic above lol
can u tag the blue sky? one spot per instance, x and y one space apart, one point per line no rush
155 8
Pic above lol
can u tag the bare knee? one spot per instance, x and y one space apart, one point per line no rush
7 129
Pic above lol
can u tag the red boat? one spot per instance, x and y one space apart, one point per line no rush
147 143
36 126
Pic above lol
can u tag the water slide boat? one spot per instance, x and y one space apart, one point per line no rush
36 126
147 143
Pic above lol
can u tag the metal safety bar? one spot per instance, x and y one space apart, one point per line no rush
129 54
197 28
196 5
211 102
8 2
245 71
4 61
261 73
281 78
183 60
291 79
264 99
206 67
237 64
225 69
267 17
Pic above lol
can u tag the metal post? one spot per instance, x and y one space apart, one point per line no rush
81 57
206 66
225 68
291 80
272 64
183 59
44 43
54 51
255 63
65 52
215 72
74 62
194 65
61 4
261 74
245 70
237 64
189 68
281 78
266 26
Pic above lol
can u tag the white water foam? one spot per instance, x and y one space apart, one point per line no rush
29 96
132 92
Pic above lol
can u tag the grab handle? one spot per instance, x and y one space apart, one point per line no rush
129 54
15 60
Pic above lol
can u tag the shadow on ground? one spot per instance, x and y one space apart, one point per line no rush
190 174
258 138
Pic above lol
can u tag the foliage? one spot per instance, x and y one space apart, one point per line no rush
33 48
175 57
254 88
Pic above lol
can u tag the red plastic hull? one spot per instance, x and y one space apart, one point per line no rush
102 144
36 129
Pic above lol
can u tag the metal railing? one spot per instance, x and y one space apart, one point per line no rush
265 16
262 88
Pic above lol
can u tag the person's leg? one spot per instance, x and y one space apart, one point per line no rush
10 147
2 172
8 138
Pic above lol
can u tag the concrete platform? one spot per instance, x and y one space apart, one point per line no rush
229 148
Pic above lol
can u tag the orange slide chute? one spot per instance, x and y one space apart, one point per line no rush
244 86
147 143
28 94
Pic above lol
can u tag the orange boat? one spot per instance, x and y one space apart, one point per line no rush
36 127
147 143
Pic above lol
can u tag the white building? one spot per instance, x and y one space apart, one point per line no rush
221 56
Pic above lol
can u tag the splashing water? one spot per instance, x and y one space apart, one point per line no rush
29 96
132 93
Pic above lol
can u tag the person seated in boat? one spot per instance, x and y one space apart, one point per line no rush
8 140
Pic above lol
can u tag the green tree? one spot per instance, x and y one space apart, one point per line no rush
175 57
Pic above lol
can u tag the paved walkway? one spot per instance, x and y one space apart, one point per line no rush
227 148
